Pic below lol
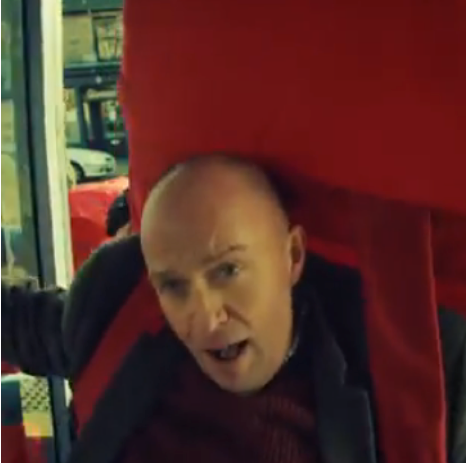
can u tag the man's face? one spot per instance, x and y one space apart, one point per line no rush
224 277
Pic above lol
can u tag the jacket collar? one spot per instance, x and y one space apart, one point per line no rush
344 419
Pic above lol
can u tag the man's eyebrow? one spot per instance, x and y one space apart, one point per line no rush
219 255
163 275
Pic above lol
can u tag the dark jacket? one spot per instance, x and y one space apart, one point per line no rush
43 335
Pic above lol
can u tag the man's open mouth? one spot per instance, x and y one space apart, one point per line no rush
230 352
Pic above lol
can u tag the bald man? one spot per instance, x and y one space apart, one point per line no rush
264 354
223 261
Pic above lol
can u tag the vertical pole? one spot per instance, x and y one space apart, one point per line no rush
43 23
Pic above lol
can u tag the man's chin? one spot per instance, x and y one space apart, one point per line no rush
243 385
241 388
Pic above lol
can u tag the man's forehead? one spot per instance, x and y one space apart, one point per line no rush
213 221
200 235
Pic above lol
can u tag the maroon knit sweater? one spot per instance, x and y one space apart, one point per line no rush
199 423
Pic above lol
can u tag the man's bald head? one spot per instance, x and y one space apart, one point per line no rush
223 260
214 176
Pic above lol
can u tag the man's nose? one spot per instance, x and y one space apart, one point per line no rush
208 312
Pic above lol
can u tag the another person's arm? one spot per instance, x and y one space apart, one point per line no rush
32 337
33 321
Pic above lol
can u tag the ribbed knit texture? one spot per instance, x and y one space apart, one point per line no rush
199 423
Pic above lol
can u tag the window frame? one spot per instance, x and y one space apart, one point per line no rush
44 108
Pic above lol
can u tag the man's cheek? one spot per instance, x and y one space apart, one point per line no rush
242 297
181 325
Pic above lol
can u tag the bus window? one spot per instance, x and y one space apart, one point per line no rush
27 423
19 254
92 49
35 238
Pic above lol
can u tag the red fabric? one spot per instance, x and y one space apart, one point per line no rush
8 369
367 98
405 358
89 204
277 426
342 100
17 448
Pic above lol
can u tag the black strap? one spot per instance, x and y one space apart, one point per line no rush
130 399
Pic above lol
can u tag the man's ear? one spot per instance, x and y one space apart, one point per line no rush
297 252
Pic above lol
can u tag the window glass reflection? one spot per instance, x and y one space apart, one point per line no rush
19 256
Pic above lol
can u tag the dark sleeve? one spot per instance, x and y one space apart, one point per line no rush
457 414
32 330
452 330
98 290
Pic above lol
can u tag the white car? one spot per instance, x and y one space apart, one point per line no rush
89 164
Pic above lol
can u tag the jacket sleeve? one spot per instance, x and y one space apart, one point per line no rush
97 292
452 331
32 330
457 414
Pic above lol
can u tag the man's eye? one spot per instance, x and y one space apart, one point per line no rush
226 271
176 287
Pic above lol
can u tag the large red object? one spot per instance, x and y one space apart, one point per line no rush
342 101
359 108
